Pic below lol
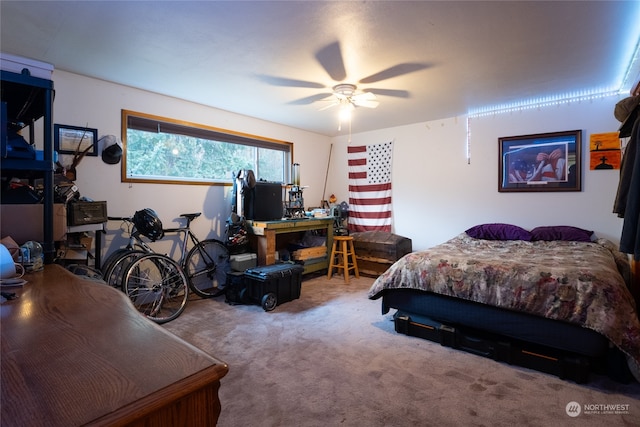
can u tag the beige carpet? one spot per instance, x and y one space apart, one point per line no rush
330 358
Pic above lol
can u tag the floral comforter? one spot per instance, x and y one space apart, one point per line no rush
576 282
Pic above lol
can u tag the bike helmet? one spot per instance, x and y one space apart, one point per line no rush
148 224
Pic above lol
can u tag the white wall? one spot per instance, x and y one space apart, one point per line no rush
82 101
437 194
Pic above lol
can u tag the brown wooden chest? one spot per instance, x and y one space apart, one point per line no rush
377 250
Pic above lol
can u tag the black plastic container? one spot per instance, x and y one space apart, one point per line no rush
564 364
272 285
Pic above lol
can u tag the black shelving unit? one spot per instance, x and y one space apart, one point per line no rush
27 99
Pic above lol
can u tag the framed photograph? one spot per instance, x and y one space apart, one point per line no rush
541 162
75 140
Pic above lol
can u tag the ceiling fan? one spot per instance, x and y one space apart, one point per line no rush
344 93
346 96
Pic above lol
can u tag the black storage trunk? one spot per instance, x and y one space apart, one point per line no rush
377 250
272 285
564 364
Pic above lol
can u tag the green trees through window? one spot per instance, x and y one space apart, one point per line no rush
158 149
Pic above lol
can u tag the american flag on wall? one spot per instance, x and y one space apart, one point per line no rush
370 187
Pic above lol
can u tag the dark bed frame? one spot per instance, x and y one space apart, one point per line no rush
555 347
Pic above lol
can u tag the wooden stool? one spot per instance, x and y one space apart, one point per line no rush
343 249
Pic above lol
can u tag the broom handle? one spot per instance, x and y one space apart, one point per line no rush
326 176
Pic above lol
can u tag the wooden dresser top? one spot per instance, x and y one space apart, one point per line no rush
75 352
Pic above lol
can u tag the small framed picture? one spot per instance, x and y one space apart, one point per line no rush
75 140
540 162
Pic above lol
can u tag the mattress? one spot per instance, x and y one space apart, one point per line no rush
548 291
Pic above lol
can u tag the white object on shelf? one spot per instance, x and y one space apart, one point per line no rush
16 64
242 262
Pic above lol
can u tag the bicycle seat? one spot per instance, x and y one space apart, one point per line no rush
191 216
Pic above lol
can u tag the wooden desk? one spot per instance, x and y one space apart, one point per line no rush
266 232
76 352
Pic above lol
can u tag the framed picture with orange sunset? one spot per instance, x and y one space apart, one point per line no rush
604 151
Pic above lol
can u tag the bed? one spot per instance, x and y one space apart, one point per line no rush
554 299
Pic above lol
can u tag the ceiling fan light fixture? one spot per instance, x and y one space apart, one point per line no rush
345 112
345 90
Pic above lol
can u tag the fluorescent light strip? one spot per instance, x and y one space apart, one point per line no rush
544 102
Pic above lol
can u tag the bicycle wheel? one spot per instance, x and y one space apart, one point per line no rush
207 265
116 268
107 264
157 287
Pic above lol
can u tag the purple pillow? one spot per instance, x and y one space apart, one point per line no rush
498 231
561 232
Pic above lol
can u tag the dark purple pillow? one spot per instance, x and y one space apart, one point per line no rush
561 232
498 231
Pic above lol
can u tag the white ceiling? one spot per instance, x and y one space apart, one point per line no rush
270 59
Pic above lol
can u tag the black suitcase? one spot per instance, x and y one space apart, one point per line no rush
272 285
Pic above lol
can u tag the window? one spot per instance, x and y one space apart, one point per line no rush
161 150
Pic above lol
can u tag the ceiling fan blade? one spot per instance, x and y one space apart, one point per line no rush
363 96
310 99
332 104
283 81
389 92
364 99
367 103
330 57
395 71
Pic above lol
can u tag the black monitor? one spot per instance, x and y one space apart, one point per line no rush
264 202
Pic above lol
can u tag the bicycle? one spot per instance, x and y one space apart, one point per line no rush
206 264
157 286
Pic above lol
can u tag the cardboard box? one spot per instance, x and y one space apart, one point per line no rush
86 241
70 255
24 222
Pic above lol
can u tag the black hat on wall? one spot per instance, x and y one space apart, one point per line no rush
626 111
111 149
